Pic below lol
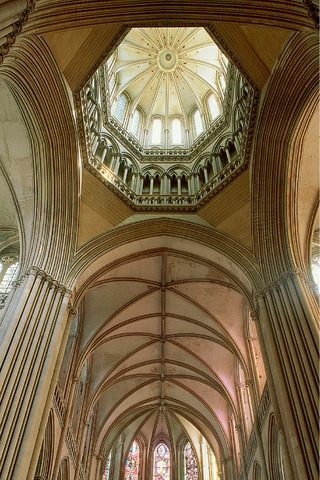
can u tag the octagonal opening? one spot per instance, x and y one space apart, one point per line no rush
166 118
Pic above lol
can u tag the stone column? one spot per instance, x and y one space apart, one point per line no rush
68 414
179 185
287 323
227 468
95 470
32 332
83 436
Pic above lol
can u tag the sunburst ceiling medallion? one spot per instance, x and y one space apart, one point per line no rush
167 75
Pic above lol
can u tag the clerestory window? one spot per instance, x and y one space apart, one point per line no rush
8 272
120 110
136 124
197 123
176 131
156 131
214 108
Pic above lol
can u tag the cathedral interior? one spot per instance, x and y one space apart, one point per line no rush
159 240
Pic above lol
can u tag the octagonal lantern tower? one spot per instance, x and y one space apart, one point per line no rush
166 119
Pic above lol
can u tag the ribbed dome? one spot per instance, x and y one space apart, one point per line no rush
166 74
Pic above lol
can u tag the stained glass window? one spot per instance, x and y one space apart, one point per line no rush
191 466
106 473
161 469
131 470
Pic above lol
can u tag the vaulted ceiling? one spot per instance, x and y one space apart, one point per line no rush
164 335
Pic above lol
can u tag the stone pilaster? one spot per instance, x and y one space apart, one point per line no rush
32 333
287 321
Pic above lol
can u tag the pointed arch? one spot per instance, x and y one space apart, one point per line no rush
132 466
191 471
161 462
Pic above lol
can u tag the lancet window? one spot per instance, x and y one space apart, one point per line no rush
136 124
106 473
161 464
131 470
198 127
156 131
176 131
120 110
8 271
190 465
213 107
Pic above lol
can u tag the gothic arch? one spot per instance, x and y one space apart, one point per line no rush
274 163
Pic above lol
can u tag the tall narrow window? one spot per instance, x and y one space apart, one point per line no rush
121 108
161 464
213 107
191 466
136 122
176 131
316 270
222 82
131 470
197 123
9 276
156 131
106 472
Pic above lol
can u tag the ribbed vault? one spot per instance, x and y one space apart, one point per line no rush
165 341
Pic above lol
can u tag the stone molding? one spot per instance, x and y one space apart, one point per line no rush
278 13
276 285
45 277
14 28
277 128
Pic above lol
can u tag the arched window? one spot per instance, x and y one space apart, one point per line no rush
131 470
190 463
222 82
106 472
214 108
136 124
9 275
316 270
156 131
176 131
198 128
161 463
120 110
